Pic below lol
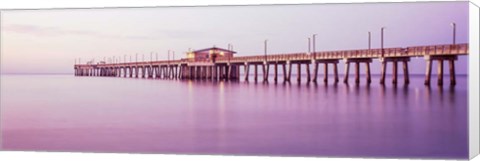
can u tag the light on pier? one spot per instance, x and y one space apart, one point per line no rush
313 44
454 27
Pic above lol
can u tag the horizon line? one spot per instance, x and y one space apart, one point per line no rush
319 75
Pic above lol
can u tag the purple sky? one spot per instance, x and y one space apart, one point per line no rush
48 41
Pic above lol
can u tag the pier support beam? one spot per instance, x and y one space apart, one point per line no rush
221 72
275 79
160 72
230 71
308 72
202 72
395 72
255 72
189 72
198 72
325 72
315 71
163 71
440 72
428 72
289 70
136 72
238 72
178 69
167 72
208 75
150 72
453 80
215 72
172 72
384 71
357 73
183 72
299 72
265 71
175 72
347 67
246 68
406 76
224 72
130 72
335 70
194 71
210 72
369 76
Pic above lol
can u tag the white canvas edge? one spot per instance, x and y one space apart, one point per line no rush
473 81
31 4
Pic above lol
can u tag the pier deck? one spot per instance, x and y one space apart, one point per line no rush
229 68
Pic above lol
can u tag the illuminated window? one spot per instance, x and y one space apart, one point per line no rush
191 55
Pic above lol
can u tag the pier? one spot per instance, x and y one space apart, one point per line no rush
228 67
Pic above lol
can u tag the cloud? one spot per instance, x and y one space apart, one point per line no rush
42 31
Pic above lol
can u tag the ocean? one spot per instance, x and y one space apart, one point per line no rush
135 115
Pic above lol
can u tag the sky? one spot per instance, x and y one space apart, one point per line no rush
49 41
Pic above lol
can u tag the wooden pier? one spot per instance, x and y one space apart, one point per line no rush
229 68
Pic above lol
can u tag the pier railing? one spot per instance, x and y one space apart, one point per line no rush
414 51
364 53
228 68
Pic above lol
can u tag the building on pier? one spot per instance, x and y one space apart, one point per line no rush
210 54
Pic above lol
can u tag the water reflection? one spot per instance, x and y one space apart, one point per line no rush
235 117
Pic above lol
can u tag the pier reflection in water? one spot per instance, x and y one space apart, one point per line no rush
102 114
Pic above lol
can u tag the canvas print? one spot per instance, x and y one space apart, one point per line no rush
381 80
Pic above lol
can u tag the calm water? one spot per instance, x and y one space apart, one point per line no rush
93 114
